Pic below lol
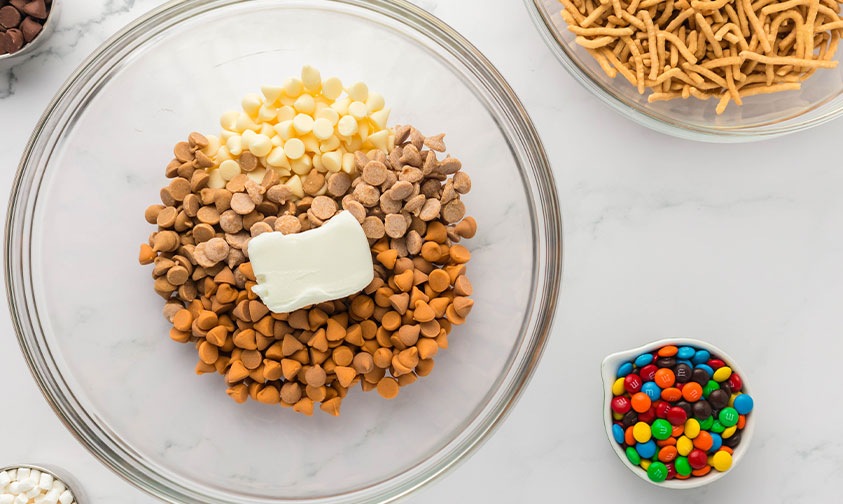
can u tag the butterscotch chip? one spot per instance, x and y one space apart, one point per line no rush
182 320
382 357
430 251
439 280
388 387
251 359
269 395
404 280
462 286
467 228
291 392
424 367
208 353
279 194
373 227
363 363
246 340
462 305
323 207
237 372
387 258
331 406
242 203
374 173
409 334
460 254
146 254
452 315
427 348
315 376
395 225
217 335
362 307
423 312
239 392
342 356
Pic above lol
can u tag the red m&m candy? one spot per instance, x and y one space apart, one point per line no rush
648 372
632 383
676 416
621 404
697 459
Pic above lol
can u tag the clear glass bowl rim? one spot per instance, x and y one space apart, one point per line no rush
678 129
547 252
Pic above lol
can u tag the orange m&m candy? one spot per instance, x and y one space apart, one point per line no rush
641 402
668 351
692 391
664 378
703 441
668 454
671 394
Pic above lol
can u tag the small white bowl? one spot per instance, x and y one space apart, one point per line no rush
58 474
609 371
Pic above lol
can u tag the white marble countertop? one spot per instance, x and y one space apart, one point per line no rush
737 244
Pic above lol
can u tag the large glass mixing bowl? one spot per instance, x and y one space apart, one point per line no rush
90 325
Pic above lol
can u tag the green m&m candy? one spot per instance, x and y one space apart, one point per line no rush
657 472
632 455
728 417
710 387
683 468
661 429
706 424
717 427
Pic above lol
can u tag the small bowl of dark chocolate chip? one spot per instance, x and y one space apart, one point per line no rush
25 24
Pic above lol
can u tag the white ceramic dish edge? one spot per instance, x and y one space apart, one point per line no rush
608 370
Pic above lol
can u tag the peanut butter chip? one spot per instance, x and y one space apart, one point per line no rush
287 224
248 161
279 194
259 228
182 152
196 139
313 183
179 188
230 222
373 227
435 142
323 207
208 215
216 249
374 173
401 190
453 211
430 210
242 203
357 210
338 184
167 217
395 225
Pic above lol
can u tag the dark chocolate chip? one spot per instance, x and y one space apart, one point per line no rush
718 399
30 28
9 17
3 49
629 419
36 9
18 4
702 409
700 376
682 372
14 40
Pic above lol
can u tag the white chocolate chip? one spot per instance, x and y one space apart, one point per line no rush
294 148
229 169
251 104
332 88
347 126
311 79
358 91
303 123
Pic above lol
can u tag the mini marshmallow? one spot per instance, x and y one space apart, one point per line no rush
52 496
21 499
58 485
5 479
14 487
26 485
36 475
7 499
33 492
23 473
45 482
66 497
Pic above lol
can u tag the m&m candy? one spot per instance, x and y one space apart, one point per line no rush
678 412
